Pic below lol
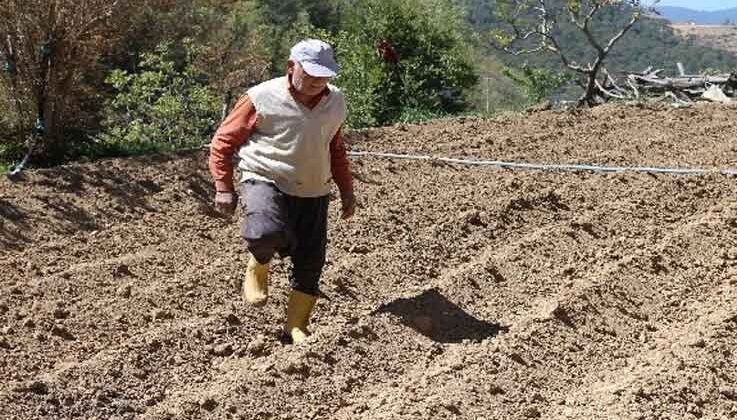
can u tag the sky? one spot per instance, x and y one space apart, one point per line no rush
701 4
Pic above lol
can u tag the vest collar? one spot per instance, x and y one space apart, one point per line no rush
315 101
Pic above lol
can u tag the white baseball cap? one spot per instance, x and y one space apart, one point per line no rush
316 58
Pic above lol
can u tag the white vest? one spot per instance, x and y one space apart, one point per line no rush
290 144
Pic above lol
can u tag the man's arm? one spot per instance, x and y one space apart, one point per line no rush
341 172
231 135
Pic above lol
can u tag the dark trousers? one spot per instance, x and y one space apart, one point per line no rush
273 222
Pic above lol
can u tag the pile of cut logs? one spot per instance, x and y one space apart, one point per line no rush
683 89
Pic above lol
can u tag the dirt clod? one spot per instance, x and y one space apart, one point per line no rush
122 270
518 358
729 393
208 404
532 413
359 249
698 342
61 332
494 389
5 344
61 313
33 387
125 291
222 350
257 346
232 319
161 314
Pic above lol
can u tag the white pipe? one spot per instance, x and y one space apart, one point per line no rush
548 167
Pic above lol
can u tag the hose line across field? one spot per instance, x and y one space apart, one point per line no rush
550 167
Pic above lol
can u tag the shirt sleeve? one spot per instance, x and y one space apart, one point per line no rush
232 134
339 165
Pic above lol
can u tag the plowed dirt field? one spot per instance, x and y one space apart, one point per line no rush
456 292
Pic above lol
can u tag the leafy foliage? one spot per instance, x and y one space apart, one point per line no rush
166 95
434 67
538 83
166 105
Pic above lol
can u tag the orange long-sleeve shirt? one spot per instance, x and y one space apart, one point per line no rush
235 131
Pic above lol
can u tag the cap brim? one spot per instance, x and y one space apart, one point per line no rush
316 70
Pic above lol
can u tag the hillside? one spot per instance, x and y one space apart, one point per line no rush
683 15
456 292
712 36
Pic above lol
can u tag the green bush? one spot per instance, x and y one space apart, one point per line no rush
435 67
165 106
538 83
434 72
361 73
413 115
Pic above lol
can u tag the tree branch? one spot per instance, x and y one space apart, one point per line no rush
608 92
627 27
584 26
573 66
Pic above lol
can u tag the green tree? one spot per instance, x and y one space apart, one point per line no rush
325 14
165 106
233 51
280 17
434 67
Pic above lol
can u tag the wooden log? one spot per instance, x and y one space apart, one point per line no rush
682 89
682 82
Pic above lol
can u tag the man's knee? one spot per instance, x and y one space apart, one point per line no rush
262 249
263 236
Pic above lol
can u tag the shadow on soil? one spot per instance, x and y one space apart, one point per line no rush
13 222
64 200
439 319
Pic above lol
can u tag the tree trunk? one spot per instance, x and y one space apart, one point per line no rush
590 90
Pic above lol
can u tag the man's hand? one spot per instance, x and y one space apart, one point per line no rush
348 205
225 202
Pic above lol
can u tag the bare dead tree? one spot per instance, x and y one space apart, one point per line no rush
533 26
46 48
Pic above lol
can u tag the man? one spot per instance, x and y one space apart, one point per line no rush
287 133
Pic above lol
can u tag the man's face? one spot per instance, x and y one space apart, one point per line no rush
304 83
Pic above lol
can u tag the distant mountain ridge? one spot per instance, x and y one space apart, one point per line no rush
682 14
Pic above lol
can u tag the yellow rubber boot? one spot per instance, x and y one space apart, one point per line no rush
299 309
255 289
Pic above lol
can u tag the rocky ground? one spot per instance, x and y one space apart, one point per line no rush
455 293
